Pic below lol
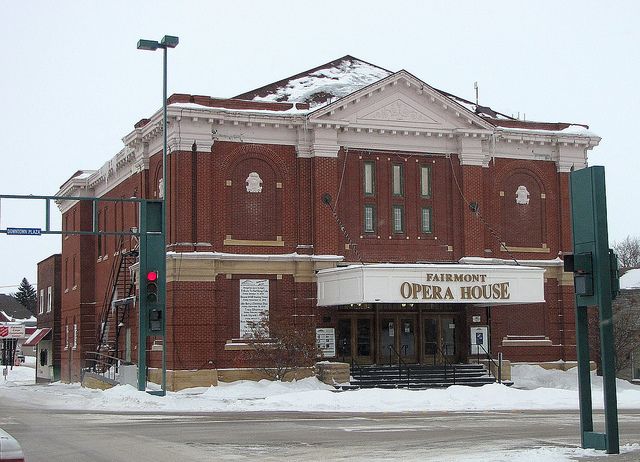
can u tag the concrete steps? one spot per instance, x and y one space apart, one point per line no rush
418 376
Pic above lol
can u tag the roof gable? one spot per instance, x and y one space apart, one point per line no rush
404 101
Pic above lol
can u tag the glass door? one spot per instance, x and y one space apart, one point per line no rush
448 337
343 339
363 340
354 339
439 342
398 337
431 341
407 339
388 340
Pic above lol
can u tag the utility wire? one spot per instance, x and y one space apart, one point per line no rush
475 209
326 199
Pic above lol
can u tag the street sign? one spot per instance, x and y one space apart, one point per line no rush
24 231
11 331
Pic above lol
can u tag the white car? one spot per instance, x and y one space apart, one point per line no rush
10 450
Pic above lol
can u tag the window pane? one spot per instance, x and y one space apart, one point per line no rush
368 219
398 219
425 181
426 220
368 178
397 180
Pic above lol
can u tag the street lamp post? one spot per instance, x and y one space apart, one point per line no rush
168 41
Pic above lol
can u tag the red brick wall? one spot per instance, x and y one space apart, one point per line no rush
49 275
204 208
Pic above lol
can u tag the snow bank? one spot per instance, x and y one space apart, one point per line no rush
535 389
630 279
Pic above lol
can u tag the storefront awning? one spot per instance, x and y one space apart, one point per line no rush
430 283
38 335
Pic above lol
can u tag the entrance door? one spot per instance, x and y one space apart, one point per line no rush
439 336
398 338
355 340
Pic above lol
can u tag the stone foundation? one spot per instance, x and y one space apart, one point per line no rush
333 373
231 375
179 380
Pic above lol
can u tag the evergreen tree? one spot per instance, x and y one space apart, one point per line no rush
27 296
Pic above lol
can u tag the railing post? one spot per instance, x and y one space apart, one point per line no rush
500 367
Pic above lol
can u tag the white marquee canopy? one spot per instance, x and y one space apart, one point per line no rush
430 283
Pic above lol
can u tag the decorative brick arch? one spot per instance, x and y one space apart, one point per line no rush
154 187
255 213
523 225
257 151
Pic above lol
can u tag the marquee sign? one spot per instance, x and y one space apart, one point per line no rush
426 283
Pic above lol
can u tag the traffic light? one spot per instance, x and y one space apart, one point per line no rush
152 286
154 301
581 265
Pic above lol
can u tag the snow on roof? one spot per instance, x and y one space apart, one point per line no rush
197 106
630 279
320 85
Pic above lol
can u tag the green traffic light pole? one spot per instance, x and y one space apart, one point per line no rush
168 41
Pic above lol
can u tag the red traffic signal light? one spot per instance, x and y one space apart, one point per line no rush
152 286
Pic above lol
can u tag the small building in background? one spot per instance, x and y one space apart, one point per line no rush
15 315
46 338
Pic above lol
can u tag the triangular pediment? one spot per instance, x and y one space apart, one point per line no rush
400 111
399 102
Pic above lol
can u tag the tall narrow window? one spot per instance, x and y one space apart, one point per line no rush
73 274
49 299
41 306
369 179
66 274
425 181
369 218
66 335
397 180
398 218
99 235
75 336
426 220
105 215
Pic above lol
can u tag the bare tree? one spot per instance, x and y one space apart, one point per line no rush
628 251
280 348
626 330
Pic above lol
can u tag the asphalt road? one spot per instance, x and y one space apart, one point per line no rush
49 436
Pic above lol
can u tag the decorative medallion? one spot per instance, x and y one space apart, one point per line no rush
522 195
401 111
254 183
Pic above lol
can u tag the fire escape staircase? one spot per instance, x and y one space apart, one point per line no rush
119 299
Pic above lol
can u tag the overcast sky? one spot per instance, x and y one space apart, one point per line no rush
73 83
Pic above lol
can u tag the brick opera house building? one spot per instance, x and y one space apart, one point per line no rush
389 217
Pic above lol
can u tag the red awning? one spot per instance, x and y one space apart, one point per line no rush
38 335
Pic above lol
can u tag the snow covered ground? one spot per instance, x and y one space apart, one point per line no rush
535 389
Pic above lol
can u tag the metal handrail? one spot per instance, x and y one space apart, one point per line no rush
497 365
102 364
400 362
445 361
356 364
